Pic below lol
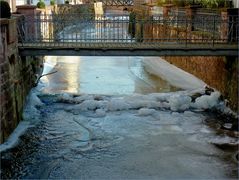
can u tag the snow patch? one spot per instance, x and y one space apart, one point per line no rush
172 74
146 112
146 104
206 101
118 105
50 63
30 117
179 102
13 138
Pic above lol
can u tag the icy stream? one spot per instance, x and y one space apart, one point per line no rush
129 136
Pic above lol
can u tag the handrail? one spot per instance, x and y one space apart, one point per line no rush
156 29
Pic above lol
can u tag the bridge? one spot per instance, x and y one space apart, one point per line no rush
118 2
126 35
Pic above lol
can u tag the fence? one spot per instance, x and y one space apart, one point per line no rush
123 29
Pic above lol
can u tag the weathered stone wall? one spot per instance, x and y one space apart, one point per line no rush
17 77
218 72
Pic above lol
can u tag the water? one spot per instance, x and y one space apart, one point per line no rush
108 132
102 75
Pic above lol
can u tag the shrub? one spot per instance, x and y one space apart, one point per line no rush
179 3
216 3
52 2
41 4
160 2
5 9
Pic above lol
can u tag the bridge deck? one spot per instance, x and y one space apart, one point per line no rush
127 49
126 35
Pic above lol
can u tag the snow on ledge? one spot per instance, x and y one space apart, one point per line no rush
174 75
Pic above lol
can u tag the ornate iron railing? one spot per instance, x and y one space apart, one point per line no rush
121 29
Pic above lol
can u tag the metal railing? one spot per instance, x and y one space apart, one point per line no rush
90 28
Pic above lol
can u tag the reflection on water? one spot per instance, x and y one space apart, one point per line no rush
103 75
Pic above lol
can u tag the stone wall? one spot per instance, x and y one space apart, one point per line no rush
17 77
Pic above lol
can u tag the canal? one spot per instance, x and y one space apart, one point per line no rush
108 118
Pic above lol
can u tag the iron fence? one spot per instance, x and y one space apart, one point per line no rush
90 28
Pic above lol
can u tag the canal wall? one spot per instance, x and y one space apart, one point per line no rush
220 73
17 77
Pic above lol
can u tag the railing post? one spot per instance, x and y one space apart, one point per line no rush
186 43
214 30
224 26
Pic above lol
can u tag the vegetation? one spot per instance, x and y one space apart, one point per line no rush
41 4
52 2
67 2
203 3
5 9
215 3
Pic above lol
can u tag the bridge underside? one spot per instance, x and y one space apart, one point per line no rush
111 49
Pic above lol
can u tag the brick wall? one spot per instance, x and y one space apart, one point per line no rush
17 77
218 72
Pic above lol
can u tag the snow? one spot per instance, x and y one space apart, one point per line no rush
146 112
178 101
172 74
49 64
30 112
118 104
13 138
207 102
30 115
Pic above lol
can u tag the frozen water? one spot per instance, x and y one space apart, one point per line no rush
96 137
134 136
